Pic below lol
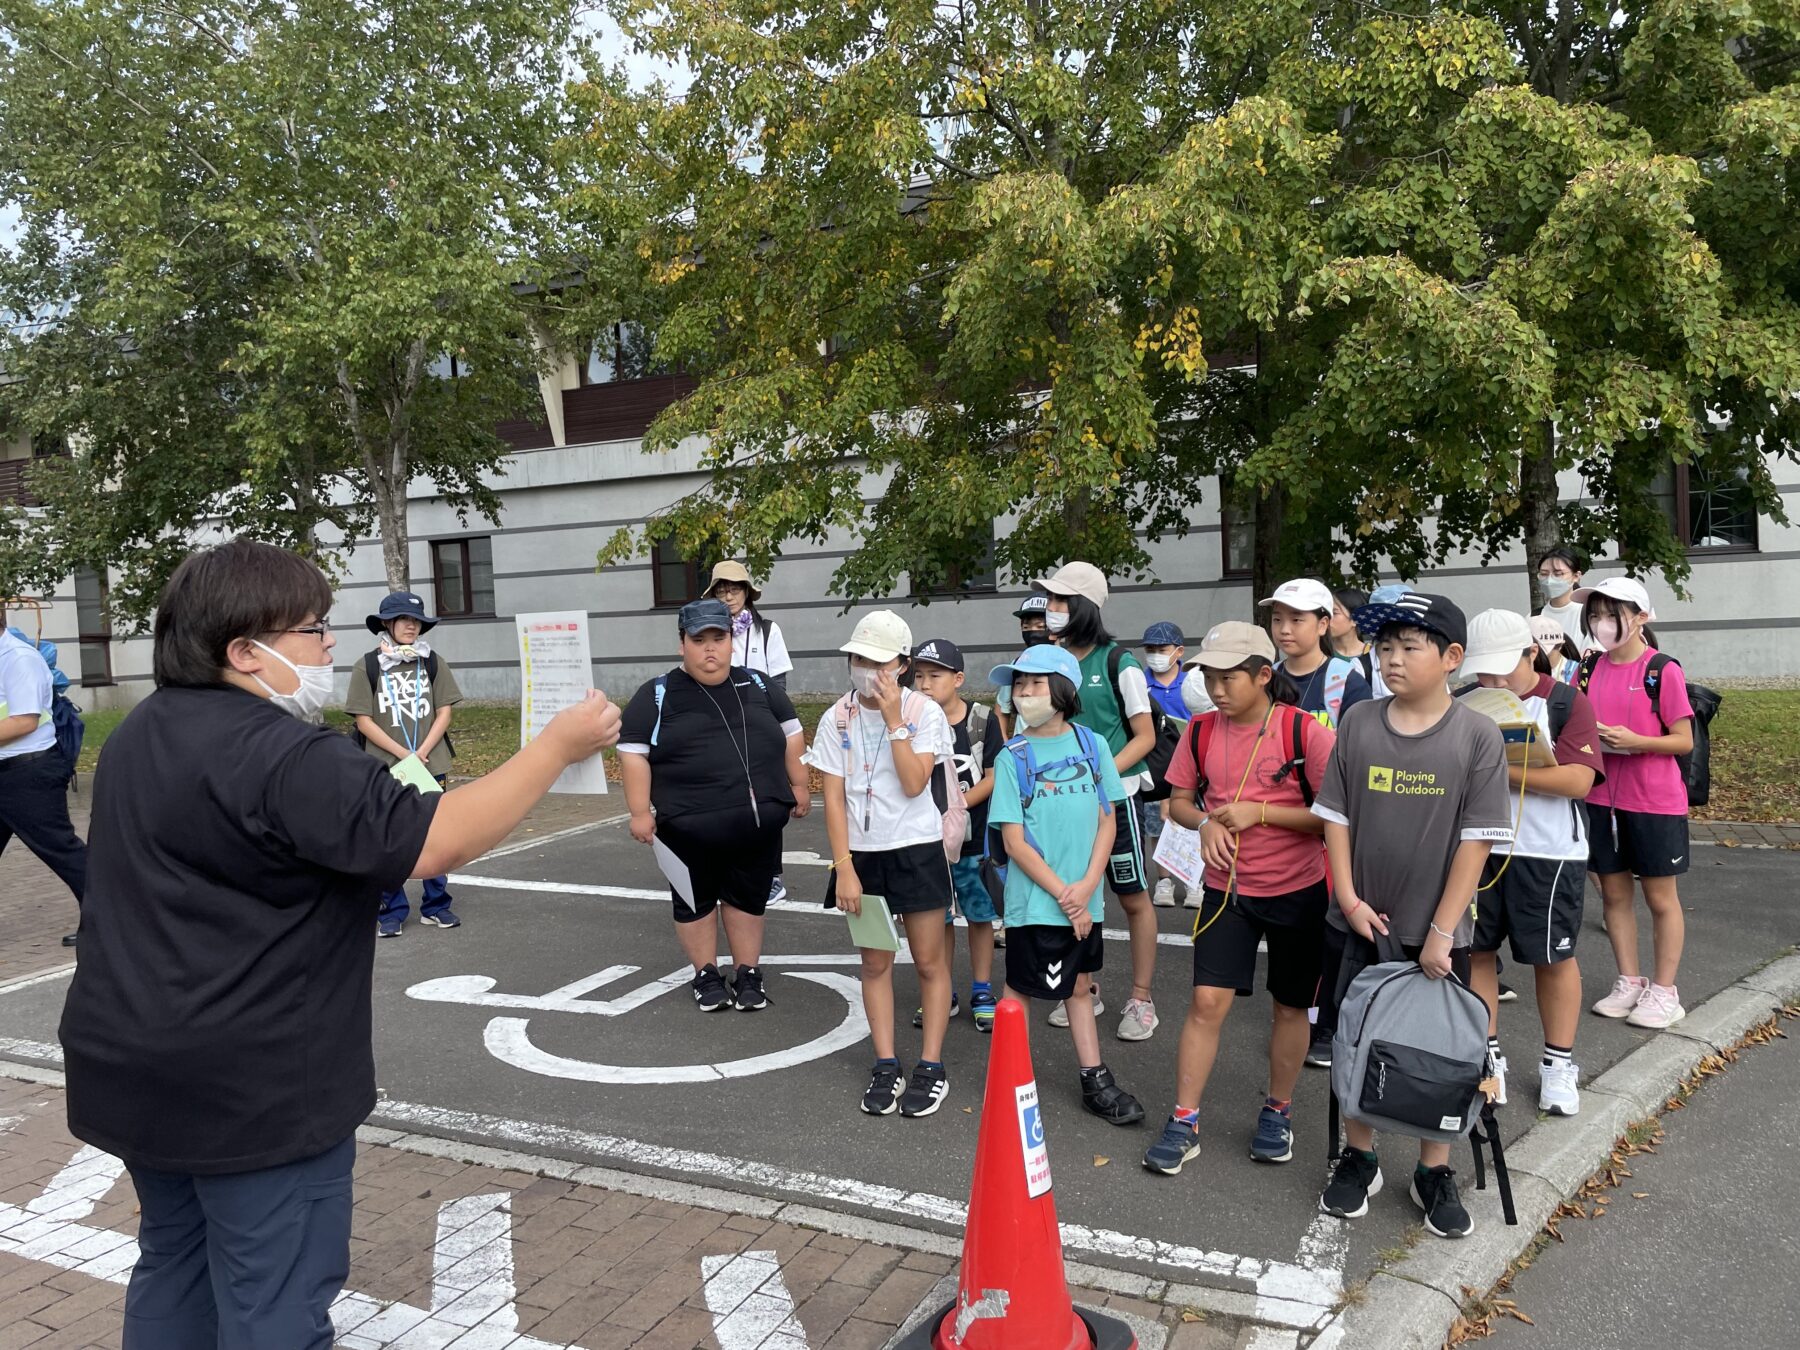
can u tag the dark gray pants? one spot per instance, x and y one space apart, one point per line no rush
244 1261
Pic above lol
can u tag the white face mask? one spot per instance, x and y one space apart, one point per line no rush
1193 695
1159 661
1056 620
1555 588
1034 709
865 680
309 700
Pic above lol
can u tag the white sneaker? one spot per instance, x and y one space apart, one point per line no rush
1557 1093
1059 1015
1659 1009
1138 1022
1193 899
1500 1077
1164 898
1626 992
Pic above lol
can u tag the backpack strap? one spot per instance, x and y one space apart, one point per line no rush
1296 763
1487 1131
1115 659
661 683
372 664
1338 670
763 626
1562 707
1653 684
1585 671
978 724
1199 742
1090 750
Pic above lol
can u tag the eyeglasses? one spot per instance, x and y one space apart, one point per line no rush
320 630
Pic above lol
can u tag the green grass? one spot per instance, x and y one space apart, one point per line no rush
1755 748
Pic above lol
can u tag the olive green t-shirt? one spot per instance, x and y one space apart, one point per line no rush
403 705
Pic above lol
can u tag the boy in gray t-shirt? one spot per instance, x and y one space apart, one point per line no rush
1414 798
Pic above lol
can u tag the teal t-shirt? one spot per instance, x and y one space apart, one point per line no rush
1065 814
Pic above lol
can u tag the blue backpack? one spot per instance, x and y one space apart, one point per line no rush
64 715
994 864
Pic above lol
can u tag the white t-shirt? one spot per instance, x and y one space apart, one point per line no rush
881 815
1546 826
1569 616
750 651
25 690
1134 693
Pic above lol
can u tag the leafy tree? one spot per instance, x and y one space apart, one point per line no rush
252 255
983 250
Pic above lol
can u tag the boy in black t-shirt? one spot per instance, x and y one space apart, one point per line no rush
938 674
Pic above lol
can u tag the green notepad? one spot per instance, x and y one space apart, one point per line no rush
413 773
874 929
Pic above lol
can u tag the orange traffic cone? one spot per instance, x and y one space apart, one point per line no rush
1012 1294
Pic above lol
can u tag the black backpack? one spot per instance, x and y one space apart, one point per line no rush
372 665
1167 729
1696 765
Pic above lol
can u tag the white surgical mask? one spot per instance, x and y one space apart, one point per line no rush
309 700
1159 661
865 680
1034 709
1610 634
1555 588
1194 696
1056 620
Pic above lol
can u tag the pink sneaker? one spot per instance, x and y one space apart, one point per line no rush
1627 990
1659 1008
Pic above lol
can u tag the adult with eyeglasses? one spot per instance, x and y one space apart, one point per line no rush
217 1035
1559 572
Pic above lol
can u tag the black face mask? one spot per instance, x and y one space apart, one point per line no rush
1035 637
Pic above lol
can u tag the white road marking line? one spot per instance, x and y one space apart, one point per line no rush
506 850
750 1304
42 977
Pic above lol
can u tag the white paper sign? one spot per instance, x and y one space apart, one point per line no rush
555 672
1178 854
1031 1134
680 879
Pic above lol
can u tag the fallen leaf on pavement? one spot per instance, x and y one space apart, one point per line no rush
1101 1160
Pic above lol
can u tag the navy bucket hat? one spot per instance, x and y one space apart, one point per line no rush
400 605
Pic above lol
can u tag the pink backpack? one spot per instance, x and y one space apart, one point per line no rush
955 811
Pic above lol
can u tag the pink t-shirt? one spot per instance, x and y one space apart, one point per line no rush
1271 861
1647 783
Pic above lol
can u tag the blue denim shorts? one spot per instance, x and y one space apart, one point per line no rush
972 898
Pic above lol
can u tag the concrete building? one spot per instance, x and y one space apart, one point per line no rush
580 475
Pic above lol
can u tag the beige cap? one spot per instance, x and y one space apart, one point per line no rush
1231 644
880 635
1076 578
731 570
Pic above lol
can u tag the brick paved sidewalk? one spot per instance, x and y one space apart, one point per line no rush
448 1256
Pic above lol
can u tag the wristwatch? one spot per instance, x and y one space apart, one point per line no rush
900 733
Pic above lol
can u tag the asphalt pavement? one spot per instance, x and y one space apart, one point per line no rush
1700 1243
469 1045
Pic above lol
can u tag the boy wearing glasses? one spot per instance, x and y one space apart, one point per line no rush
403 695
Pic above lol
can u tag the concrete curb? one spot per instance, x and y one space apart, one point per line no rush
1411 1306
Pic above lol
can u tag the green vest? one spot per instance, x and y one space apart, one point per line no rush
1100 711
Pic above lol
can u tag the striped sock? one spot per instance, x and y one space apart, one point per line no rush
1188 1115
1281 1104
1493 1047
1556 1056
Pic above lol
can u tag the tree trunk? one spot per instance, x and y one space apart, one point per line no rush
1265 566
1537 508
390 512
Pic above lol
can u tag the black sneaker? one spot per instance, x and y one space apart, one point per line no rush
883 1094
1434 1191
1318 1053
1102 1096
70 939
925 1091
1353 1181
747 989
709 989
1507 993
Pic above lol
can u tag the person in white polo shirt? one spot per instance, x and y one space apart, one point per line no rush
34 775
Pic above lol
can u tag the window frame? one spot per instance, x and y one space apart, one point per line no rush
91 639
1227 524
696 570
462 543
1681 504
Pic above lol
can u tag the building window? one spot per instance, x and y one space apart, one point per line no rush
676 580
983 576
1237 535
93 629
1709 513
463 572
625 351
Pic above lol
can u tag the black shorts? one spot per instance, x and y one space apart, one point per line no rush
730 856
1043 959
1637 842
911 879
1360 954
1226 935
1536 903
1125 873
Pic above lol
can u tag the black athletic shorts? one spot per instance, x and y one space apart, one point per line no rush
1637 842
729 857
1043 959
1536 903
911 879
1226 936
1125 872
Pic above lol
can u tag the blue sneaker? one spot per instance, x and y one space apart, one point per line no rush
385 930
981 1008
1178 1144
1274 1142
442 919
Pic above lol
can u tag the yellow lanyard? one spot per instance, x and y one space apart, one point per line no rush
1231 877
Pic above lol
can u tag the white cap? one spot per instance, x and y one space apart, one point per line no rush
1498 638
1304 594
1628 589
880 635
1076 578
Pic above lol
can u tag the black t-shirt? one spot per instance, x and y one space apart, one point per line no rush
697 763
219 1017
992 743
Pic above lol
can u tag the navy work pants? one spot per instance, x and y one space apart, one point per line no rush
34 805
244 1261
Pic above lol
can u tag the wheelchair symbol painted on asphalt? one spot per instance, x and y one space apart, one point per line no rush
508 1038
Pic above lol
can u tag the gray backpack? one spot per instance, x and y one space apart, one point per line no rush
1409 1056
